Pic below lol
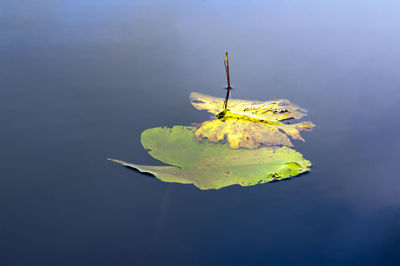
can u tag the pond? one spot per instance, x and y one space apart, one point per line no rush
81 80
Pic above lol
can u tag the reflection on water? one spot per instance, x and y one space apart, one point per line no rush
81 80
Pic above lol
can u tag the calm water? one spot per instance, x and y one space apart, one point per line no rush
80 80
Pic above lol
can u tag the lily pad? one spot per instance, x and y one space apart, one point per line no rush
250 124
213 165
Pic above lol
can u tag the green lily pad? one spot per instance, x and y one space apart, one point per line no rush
214 165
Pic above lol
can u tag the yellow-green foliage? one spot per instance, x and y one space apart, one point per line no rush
213 165
250 124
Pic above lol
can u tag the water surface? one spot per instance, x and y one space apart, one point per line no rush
80 80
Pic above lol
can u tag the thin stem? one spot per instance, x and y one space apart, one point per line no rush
226 63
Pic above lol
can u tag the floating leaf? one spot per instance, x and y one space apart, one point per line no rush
250 124
273 111
213 166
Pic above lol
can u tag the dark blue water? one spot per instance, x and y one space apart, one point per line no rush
80 80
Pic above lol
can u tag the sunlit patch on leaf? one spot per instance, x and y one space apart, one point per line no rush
212 165
247 134
250 124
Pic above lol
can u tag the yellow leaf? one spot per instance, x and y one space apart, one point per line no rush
276 110
250 124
